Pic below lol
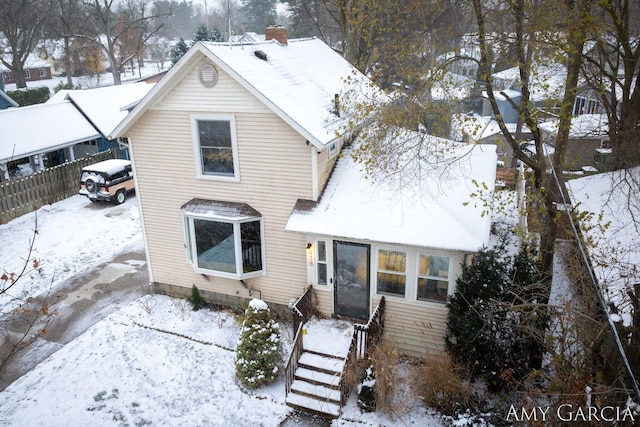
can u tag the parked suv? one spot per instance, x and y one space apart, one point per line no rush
109 180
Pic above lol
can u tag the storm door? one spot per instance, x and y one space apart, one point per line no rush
351 292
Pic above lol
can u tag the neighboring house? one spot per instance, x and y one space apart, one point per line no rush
244 194
546 88
607 208
42 130
589 135
70 125
476 129
34 69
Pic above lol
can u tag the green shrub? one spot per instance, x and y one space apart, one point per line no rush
196 299
258 355
26 97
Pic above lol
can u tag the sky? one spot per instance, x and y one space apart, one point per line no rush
153 362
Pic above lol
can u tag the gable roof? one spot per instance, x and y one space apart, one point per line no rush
582 126
297 81
428 213
41 128
104 107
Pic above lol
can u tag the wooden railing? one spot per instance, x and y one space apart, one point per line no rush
24 195
302 310
365 338
294 357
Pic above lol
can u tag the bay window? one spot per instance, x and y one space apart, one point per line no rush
224 239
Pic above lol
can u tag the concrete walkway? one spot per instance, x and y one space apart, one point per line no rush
81 302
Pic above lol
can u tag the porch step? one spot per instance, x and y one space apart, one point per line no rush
319 378
316 386
315 406
325 363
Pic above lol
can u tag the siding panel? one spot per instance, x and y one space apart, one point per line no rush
275 170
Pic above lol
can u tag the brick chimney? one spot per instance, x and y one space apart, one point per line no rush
277 32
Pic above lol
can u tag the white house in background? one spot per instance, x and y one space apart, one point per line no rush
72 124
588 136
36 130
243 193
611 228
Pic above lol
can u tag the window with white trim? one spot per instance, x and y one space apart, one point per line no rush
26 74
433 277
215 146
321 262
391 275
42 72
224 239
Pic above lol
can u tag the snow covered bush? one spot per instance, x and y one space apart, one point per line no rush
258 355
489 330
196 299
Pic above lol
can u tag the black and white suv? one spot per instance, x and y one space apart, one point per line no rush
109 180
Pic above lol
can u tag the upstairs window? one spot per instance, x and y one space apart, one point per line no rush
224 239
215 146
433 277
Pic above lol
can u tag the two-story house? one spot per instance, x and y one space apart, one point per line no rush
245 191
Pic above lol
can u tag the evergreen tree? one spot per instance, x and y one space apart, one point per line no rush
258 352
260 14
178 50
486 330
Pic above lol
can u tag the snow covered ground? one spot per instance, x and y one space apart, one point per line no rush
154 362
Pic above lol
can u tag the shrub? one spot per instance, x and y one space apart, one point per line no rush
26 97
487 331
258 354
196 299
366 391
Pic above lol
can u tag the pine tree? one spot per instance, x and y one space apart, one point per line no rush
178 50
258 353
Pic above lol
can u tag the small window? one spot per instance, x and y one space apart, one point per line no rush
27 74
321 262
433 278
333 149
392 272
42 72
222 240
215 146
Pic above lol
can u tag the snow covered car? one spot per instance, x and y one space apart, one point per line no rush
108 181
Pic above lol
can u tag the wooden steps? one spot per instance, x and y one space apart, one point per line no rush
316 386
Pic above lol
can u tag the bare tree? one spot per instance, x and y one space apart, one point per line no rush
22 23
30 317
122 28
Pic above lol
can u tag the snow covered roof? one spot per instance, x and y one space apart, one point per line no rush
40 128
297 81
547 81
612 230
429 213
475 127
104 106
32 61
582 126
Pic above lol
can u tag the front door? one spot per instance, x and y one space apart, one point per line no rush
351 292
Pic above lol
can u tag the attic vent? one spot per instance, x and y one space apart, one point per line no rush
260 54
208 75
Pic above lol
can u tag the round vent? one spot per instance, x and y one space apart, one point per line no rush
208 75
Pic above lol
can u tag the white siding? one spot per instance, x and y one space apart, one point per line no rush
275 165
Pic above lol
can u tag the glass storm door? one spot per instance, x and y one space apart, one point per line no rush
351 292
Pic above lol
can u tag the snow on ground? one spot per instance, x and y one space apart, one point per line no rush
154 362
74 235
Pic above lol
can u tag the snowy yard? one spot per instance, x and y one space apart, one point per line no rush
154 362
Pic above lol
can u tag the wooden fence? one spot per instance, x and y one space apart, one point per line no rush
24 195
